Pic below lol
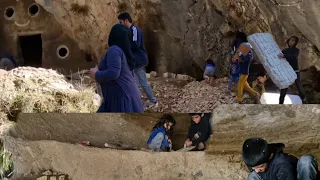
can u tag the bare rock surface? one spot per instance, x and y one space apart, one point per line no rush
84 163
181 35
298 127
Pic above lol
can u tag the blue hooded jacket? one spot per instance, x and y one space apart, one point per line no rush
165 142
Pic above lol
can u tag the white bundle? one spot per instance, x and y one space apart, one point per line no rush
267 50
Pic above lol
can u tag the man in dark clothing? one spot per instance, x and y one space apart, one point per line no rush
291 54
269 162
140 55
199 131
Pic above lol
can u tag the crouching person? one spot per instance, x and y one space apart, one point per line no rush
199 131
159 139
7 62
269 162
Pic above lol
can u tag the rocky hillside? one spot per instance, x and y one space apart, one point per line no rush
181 34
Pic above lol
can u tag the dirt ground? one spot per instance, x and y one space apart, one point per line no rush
184 96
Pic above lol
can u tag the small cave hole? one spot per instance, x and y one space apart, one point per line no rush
62 52
34 10
9 12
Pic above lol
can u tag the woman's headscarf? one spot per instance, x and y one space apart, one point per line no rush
120 36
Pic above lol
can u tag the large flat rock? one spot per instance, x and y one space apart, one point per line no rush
132 130
82 163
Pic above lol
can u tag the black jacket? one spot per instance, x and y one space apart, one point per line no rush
292 54
203 129
282 166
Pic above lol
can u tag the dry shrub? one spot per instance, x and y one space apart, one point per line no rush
80 9
37 90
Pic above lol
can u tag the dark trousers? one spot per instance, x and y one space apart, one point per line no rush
283 92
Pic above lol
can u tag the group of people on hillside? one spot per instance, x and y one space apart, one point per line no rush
123 68
240 65
198 134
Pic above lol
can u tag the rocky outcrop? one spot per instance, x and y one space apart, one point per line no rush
181 34
296 126
52 147
84 163
131 130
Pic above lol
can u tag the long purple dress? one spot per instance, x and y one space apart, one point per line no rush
119 89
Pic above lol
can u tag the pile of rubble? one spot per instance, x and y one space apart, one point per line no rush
176 95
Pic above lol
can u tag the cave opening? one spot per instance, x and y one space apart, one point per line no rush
152 47
31 50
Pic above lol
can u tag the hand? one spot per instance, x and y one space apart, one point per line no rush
93 72
281 55
169 140
201 146
196 136
188 143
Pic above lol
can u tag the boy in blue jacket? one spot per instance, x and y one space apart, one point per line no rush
159 139
269 162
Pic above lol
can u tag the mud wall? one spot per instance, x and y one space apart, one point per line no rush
55 49
181 35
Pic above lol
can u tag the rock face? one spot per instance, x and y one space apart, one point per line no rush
83 163
295 126
128 129
51 147
181 35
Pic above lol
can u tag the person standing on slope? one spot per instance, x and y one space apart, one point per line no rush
140 55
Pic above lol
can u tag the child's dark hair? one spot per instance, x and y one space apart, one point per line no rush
124 16
296 39
242 36
261 74
195 114
210 61
255 152
166 118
